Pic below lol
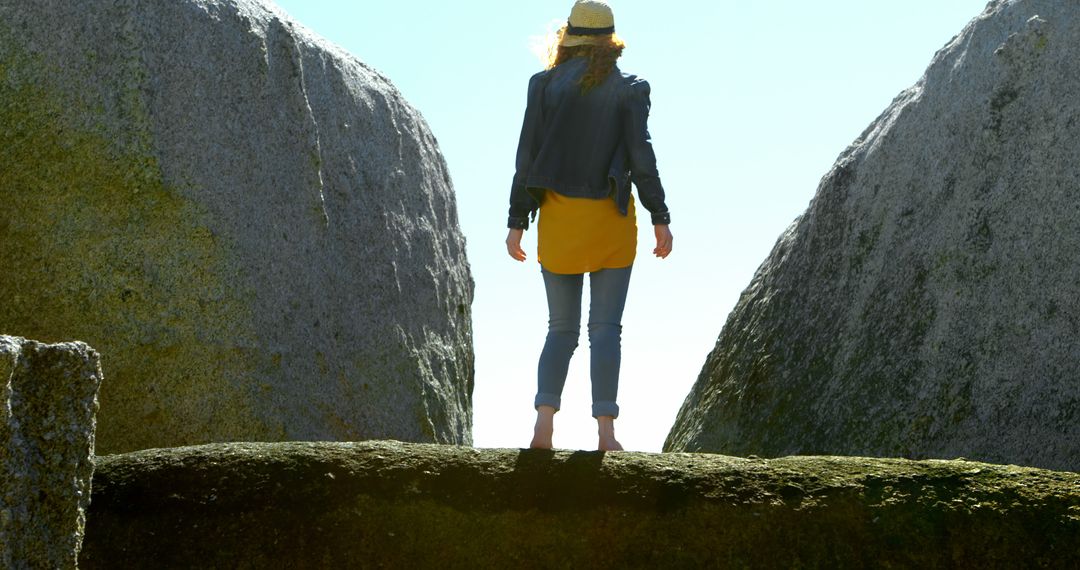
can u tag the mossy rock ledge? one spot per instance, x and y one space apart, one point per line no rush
393 504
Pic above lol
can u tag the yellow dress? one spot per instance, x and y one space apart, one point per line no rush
581 235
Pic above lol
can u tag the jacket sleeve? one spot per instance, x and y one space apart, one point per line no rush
521 202
642 158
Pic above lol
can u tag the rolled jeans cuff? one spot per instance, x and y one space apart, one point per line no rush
605 409
547 400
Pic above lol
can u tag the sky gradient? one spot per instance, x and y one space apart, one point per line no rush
752 103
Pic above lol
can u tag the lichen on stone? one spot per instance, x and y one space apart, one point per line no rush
97 248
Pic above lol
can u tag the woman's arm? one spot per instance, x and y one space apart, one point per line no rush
521 203
642 158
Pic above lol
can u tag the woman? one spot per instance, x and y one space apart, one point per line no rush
584 139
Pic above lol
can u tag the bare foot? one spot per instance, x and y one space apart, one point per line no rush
609 444
541 441
606 431
545 425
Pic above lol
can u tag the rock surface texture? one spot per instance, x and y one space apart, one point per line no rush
927 304
372 504
48 398
253 227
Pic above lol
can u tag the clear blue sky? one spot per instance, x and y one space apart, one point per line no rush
752 103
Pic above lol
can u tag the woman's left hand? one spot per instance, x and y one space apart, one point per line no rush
513 244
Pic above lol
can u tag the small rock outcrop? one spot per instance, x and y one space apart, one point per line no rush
927 303
253 226
48 398
388 504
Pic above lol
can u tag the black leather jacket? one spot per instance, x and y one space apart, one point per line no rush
587 146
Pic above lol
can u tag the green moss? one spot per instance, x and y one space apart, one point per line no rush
339 505
865 243
97 248
1001 98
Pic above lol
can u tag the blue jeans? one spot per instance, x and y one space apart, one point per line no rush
607 291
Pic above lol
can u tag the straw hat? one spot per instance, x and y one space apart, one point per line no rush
590 22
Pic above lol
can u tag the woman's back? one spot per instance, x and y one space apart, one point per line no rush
583 139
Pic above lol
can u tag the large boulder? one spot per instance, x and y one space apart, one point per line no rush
927 304
253 226
388 504
48 398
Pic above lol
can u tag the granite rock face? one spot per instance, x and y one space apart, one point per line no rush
253 226
927 303
372 504
48 398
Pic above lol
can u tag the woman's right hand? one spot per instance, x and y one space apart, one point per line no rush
513 244
663 241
